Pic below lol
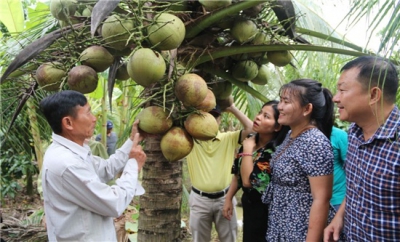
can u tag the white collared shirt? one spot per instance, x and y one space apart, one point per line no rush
79 205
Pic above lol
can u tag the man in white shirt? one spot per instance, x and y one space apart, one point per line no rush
78 203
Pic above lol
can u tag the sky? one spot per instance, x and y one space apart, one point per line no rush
335 11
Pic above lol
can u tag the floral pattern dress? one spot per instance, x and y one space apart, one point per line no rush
289 194
261 174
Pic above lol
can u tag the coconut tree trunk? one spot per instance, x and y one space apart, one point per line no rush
36 143
160 213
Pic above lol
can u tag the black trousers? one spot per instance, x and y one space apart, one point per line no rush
255 217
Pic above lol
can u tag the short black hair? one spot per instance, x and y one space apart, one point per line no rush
376 72
60 105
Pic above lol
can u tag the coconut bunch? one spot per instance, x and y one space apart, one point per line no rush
157 45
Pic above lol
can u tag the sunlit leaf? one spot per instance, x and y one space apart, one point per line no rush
36 14
131 227
12 15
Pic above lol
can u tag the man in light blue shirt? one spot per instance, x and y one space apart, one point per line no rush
78 203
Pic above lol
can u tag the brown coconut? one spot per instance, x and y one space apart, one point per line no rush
82 79
224 103
201 126
49 76
208 103
96 57
154 120
122 73
222 89
191 89
176 144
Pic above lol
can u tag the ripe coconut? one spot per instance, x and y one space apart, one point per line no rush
82 79
62 9
262 76
146 67
245 70
224 103
96 57
279 58
166 32
49 76
208 103
191 89
122 72
154 120
244 30
176 144
116 31
201 126
222 89
211 5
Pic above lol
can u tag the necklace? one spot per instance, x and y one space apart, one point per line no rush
293 139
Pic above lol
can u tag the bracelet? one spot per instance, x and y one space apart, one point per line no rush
244 154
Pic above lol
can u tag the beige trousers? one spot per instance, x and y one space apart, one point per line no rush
203 212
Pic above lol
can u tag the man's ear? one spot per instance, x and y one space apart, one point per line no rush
66 123
375 95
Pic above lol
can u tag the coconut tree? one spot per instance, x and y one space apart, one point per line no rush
207 44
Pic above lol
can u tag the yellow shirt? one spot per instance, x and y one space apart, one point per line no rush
210 162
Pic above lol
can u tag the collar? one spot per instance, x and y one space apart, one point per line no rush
82 151
388 130
217 137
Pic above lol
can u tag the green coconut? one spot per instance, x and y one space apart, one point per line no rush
166 32
262 76
263 59
211 5
244 30
261 38
49 76
146 67
82 79
176 144
116 31
96 57
154 120
201 126
191 89
222 89
86 12
245 70
62 9
279 58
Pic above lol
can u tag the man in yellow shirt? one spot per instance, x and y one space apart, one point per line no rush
209 165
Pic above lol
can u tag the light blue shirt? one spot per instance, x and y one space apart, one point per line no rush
339 145
78 204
